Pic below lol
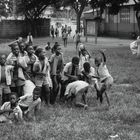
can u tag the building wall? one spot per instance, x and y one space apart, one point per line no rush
14 28
118 28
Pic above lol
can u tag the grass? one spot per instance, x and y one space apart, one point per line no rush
62 122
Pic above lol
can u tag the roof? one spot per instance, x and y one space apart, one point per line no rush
131 2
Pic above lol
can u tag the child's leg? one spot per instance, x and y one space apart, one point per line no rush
80 99
46 93
55 89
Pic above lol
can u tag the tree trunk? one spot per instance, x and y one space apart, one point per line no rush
78 22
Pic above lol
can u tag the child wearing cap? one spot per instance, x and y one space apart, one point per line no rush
77 90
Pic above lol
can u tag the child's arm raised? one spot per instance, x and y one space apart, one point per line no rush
104 57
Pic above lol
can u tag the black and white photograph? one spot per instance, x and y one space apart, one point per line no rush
69 69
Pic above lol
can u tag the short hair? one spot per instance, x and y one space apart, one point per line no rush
37 91
38 51
86 65
75 59
13 93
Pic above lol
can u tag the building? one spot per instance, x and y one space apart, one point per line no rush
124 24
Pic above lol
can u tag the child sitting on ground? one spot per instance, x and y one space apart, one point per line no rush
106 80
48 47
10 111
31 103
77 90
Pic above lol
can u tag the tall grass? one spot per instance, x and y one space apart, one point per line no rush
63 122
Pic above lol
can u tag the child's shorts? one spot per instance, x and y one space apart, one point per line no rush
108 82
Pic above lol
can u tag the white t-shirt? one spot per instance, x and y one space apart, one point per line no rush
103 71
76 86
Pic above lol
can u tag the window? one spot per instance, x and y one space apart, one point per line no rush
125 15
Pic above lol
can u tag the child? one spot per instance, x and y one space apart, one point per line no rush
77 90
70 73
84 56
48 47
88 74
31 103
76 38
5 79
65 37
54 47
15 59
106 80
10 111
57 64
31 58
29 39
22 49
41 70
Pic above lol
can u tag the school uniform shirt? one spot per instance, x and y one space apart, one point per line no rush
75 87
7 106
57 63
69 69
103 72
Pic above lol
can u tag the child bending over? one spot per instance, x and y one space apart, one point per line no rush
77 90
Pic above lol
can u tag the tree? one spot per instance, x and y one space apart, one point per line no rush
78 6
3 8
33 9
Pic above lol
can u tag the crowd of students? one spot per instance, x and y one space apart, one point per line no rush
28 78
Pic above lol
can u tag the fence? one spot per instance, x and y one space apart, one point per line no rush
15 28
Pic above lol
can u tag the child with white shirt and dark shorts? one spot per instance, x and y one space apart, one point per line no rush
105 79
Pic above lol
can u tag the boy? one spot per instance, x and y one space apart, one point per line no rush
106 80
70 74
5 79
15 59
10 111
65 37
77 90
31 103
41 70
29 39
57 64
31 58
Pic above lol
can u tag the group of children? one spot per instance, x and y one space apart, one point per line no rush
28 78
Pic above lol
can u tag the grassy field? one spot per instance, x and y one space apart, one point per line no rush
62 122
